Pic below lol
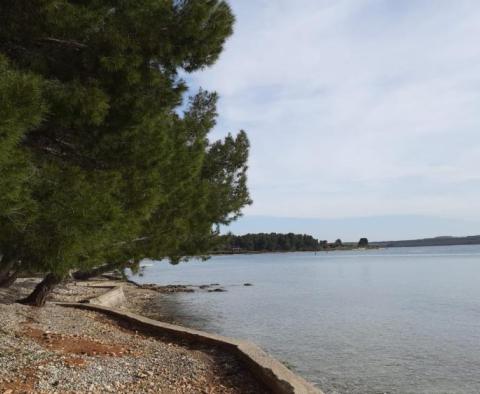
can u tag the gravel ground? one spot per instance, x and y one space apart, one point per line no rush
65 350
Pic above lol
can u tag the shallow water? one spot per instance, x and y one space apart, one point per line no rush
399 320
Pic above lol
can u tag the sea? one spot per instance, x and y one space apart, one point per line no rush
395 320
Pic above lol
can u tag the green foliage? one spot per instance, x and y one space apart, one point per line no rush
204 186
363 243
21 109
263 242
97 163
77 220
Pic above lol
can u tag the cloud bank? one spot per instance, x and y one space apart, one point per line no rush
355 108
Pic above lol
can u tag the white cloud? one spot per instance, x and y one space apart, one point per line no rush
354 106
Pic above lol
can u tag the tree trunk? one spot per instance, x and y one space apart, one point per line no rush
9 280
85 275
103 269
39 295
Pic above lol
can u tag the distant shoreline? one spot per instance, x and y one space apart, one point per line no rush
437 241
428 242
343 248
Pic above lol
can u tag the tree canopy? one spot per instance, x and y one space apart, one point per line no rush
97 162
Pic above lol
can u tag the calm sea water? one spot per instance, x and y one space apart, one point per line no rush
400 320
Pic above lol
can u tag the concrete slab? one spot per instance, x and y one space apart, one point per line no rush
112 298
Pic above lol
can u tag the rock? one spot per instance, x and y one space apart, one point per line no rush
247 284
218 290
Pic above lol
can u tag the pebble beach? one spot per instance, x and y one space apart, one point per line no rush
64 350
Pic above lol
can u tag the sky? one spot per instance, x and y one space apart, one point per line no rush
363 115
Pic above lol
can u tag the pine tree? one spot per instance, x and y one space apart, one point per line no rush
111 155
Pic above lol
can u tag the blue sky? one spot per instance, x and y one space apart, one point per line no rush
360 113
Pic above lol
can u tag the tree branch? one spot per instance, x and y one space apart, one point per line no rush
70 43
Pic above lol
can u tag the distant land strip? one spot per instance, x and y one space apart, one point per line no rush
437 241
290 242
278 242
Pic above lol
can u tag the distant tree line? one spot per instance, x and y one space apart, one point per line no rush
277 242
272 242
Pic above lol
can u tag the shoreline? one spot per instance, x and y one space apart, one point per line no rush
57 349
74 344
340 249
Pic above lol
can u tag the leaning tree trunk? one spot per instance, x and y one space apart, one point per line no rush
39 295
9 280
85 275
103 269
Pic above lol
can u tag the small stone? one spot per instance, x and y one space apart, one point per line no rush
218 290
